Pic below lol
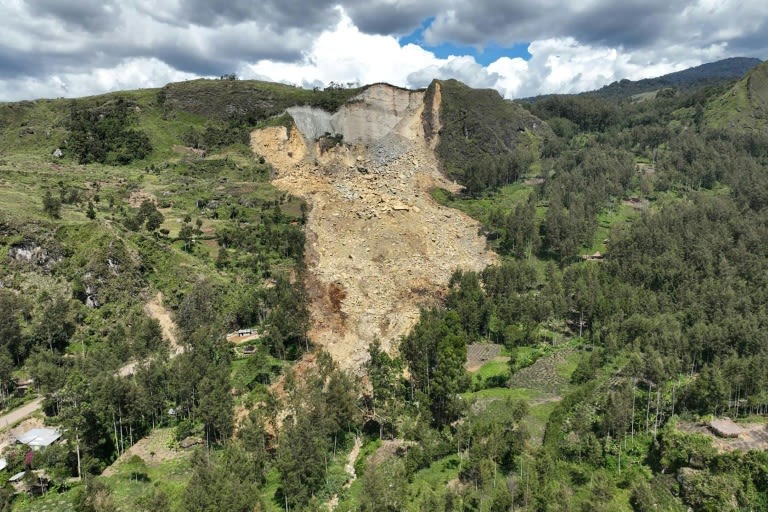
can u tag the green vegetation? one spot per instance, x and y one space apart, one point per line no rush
607 359
744 106
485 141
88 237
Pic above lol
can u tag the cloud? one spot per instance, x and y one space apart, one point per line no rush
345 54
391 17
130 74
55 48
84 15
631 24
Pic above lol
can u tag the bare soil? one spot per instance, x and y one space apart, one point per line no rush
480 353
389 448
542 375
755 437
155 309
154 449
378 246
139 196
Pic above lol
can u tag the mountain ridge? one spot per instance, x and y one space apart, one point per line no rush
686 80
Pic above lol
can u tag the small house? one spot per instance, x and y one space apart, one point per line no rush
17 477
22 386
38 438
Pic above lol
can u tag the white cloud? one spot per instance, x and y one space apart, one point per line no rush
129 74
145 44
345 54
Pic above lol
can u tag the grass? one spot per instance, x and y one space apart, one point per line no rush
170 477
609 220
738 106
52 502
436 476
492 369
505 199
503 393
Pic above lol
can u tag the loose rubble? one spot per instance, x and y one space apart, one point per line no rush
375 236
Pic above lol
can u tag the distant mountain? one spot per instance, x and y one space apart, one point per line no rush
744 106
687 80
712 73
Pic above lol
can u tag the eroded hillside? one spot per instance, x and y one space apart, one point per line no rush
379 247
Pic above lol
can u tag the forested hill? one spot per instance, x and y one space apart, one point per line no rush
687 80
711 74
584 371
484 141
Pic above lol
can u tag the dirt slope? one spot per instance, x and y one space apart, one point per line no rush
378 246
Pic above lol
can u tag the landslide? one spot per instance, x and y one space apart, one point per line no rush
378 246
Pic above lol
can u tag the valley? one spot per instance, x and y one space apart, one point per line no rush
437 299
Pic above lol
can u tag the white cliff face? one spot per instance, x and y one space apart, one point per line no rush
368 117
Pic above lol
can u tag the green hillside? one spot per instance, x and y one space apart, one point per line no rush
744 106
711 74
687 81
580 372
485 141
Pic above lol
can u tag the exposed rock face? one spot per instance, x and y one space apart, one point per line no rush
378 246
30 252
370 116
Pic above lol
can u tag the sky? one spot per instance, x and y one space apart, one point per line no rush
54 48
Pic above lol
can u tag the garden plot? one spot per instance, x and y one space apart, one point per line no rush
480 353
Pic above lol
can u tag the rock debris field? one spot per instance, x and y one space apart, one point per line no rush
378 246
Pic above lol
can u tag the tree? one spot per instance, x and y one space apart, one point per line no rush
91 212
301 458
226 482
11 337
436 351
384 373
185 234
155 219
467 299
385 487
51 205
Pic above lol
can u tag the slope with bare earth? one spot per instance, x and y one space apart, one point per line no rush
378 246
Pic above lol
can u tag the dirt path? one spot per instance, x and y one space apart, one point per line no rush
378 246
349 467
153 308
11 418
156 310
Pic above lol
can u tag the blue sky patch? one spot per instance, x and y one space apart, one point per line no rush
489 53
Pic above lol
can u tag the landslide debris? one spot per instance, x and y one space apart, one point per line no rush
378 246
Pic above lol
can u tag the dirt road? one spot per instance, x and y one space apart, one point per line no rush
153 308
11 418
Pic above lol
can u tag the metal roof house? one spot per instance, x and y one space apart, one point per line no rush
39 437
